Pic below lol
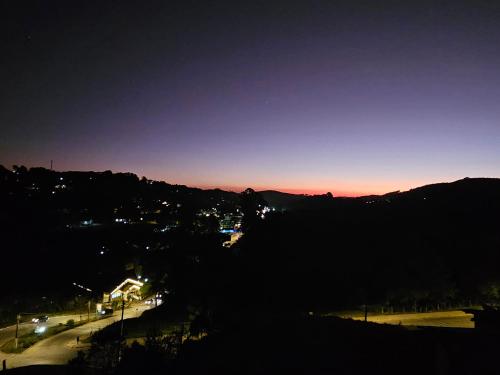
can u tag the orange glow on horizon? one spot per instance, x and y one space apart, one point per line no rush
364 189
348 187
305 191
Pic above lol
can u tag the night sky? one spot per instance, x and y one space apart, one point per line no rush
348 97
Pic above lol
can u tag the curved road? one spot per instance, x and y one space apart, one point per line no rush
8 333
60 348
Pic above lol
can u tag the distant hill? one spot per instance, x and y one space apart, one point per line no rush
465 190
467 187
281 200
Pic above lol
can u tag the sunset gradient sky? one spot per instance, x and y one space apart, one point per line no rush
315 96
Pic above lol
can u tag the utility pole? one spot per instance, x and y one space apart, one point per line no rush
17 327
121 332
90 296
18 320
121 323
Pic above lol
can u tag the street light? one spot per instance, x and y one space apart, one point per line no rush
121 331
87 290
18 318
121 320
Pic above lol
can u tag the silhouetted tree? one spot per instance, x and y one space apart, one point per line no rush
251 204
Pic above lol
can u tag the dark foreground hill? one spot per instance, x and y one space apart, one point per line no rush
314 345
435 245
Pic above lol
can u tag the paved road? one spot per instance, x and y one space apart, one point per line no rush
450 319
60 348
9 332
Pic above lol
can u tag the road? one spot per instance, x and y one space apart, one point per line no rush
60 348
9 332
449 319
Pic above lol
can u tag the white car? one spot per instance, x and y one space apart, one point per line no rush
40 319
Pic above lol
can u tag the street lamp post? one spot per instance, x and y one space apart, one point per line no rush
18 320
121 322
89 291
17 327
120 341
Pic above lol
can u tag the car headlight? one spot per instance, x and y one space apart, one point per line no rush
40 329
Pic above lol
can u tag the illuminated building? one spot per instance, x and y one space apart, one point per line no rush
128 289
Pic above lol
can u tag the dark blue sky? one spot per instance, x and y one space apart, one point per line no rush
315 96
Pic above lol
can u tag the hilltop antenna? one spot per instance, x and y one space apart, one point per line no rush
51 164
